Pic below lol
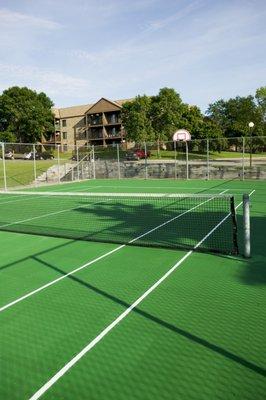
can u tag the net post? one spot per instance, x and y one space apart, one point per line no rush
58 163
246 225
243 158
118 160
4 165
34 164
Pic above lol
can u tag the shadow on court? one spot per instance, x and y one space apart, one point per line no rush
164 222
196 339
254 272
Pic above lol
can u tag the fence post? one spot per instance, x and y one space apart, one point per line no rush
118 160
208 160
246 225
93 163
77 153
34 164
175 159
146 171
187 160
243 158
58 163
4 165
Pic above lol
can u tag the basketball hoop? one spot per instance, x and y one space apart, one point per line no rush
181 135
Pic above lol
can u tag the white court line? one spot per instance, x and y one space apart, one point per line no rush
98 258
165 187
99 337
61 189
24 195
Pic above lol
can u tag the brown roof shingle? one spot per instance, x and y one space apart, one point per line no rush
77 111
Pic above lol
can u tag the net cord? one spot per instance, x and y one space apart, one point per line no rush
128 195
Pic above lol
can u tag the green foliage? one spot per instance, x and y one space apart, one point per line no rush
192 120
136 117
166 113
158 117
7 137
261 100
234 115
26 113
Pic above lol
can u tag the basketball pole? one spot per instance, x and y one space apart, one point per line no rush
187 160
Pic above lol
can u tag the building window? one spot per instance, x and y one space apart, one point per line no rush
65 147
65 135
64 123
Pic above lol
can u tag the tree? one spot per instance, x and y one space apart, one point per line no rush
166 113
7 137
136 117
261 100
158 117
26 114
233 117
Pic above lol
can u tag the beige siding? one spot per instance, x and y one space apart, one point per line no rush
75 130
73 125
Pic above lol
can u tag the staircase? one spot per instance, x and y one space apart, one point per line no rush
51 175
82 170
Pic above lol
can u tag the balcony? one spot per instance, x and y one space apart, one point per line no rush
95 135
95 119
113 133
80 136
113 119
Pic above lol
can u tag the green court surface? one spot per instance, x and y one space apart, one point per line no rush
96 320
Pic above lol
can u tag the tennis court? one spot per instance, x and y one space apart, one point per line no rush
127 311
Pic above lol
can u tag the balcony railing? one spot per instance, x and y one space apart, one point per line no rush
113 120
95 120
95 135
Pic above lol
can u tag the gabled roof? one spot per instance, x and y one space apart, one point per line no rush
76 111
103 105
79 111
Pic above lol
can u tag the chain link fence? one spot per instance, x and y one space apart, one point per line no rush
37 164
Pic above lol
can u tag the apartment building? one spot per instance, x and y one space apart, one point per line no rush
98 124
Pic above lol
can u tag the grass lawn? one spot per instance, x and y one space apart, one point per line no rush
21 172
169 154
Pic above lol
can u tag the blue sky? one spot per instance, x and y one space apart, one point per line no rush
78 51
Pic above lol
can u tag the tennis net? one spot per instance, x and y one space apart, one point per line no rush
153 220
